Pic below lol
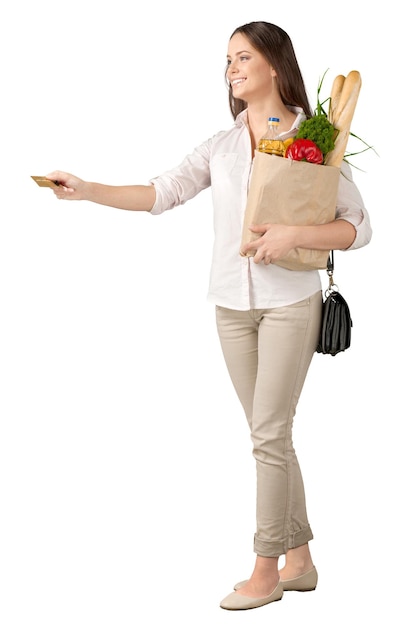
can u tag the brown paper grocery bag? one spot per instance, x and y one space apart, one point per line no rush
284 191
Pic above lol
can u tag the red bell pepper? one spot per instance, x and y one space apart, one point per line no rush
304 150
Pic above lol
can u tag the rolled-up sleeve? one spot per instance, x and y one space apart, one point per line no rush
177 186
350 207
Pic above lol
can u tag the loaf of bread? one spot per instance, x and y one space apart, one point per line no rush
344 96
336 91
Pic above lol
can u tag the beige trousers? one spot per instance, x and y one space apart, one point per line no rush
268 353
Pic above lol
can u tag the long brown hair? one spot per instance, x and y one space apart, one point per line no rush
276 46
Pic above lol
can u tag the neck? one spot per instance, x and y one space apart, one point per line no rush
258 114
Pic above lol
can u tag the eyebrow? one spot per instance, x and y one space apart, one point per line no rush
241 52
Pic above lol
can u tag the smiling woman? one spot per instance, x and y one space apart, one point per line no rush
268 318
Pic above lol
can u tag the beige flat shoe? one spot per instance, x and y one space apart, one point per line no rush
305 582
236 602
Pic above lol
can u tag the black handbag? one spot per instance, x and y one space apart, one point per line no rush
336 324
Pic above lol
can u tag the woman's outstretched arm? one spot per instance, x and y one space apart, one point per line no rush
127 197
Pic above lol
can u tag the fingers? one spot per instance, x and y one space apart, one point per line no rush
61 178
260 252
273 242
259 228
67 185
262 256
64 193
253 246
58 177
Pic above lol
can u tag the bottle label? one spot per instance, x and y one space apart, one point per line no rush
272 146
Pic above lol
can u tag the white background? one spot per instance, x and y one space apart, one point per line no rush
127 481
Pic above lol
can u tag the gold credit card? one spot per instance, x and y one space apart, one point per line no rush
42 181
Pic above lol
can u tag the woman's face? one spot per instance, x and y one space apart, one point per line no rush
249 73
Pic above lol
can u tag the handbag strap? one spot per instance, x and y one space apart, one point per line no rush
330 272
330 262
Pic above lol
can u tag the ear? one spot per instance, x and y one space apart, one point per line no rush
273 72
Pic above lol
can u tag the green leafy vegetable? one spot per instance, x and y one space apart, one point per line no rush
320 130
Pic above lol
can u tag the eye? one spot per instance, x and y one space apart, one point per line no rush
244 58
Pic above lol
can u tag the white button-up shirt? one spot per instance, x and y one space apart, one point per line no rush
224 162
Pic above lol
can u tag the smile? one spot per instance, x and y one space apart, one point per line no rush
237 81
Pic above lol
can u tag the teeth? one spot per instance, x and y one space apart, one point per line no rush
238 81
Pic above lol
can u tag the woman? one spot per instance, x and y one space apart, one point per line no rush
268 318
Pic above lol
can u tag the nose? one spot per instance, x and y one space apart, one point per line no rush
232 69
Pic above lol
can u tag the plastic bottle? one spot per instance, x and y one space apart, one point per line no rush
270 142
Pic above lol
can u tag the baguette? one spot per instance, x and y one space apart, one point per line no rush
349 95
336 92
342 116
